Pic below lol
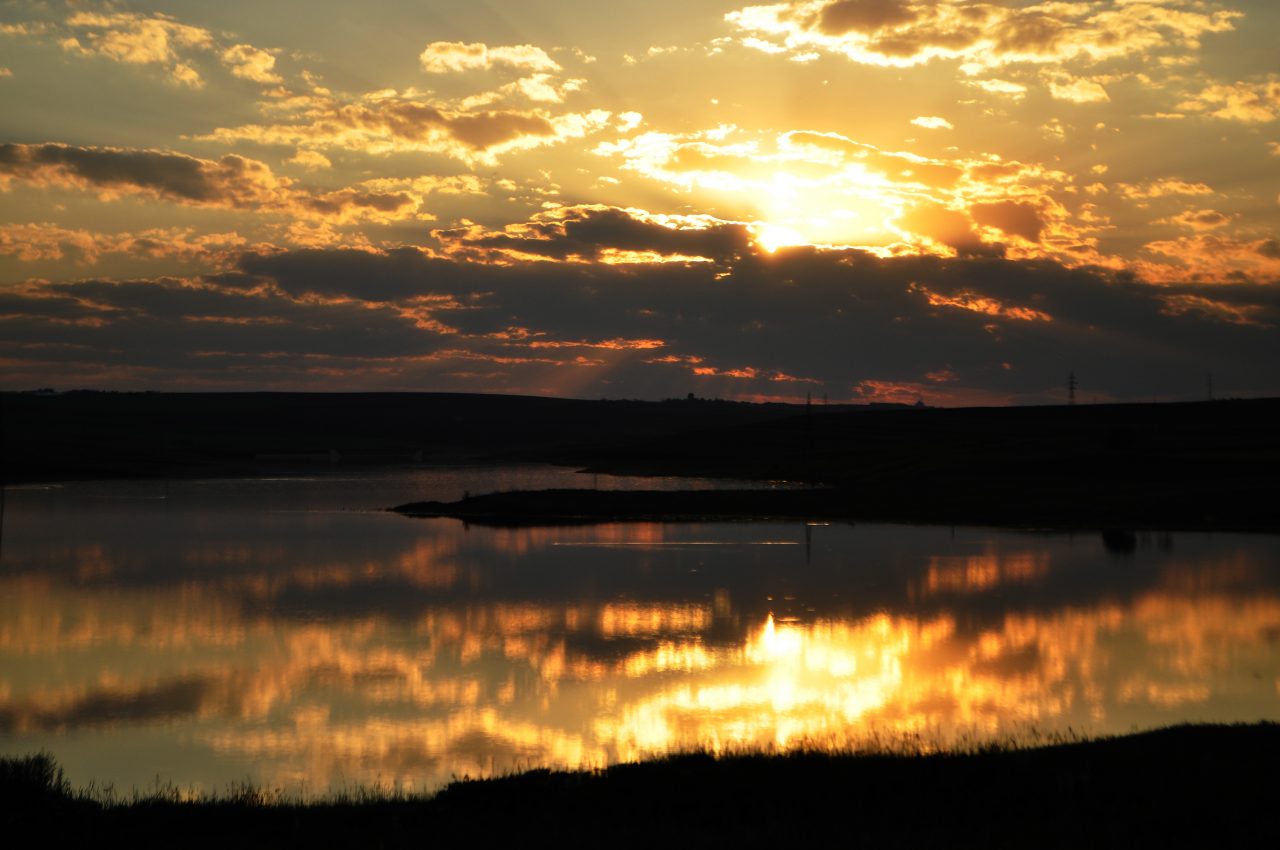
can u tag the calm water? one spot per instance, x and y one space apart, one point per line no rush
286 632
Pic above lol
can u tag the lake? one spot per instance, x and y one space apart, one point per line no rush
287 631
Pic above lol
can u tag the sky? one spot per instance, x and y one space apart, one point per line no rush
859 200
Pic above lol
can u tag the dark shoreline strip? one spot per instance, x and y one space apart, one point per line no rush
1012 508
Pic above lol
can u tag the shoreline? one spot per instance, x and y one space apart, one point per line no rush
561 507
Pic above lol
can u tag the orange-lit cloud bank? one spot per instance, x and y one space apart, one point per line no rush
850 193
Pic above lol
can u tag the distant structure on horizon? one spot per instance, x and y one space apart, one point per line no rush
1071 387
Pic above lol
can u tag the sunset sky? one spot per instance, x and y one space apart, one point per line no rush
876 200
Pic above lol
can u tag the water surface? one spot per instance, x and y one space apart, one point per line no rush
287 633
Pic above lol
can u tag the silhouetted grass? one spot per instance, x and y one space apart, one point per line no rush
1208 786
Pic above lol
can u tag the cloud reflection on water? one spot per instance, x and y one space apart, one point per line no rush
387 650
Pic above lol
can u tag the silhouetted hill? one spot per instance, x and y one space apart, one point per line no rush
1208 464
98 434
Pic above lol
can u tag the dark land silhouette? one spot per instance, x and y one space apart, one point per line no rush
1210 465
1188 786
88 434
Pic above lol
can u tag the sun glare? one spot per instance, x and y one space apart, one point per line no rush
771 237
849 208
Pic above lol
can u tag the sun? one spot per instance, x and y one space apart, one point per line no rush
848 209
771 237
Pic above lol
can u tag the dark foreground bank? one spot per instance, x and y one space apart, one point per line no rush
1201 786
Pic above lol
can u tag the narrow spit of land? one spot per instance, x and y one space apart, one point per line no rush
1207 466
1198 786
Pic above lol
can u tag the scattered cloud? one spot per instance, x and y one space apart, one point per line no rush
1215 257
442 57
391 122
310 160
896 33
1077 89
1006 88
231 182
932 122
1163 188
1250 102
137 39
47 241
251 63
1199 219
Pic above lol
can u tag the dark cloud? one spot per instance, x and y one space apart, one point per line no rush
231 180
967 328
1014 217
586 232
863 15
490 129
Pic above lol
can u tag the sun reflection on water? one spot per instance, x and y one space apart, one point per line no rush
429 663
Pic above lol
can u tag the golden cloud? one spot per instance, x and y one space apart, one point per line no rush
1219 258
1250 102
823 188
251 63
391 122
46 241
231 182
903 34
442 57
137 39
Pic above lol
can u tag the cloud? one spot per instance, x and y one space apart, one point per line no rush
1215 257
1077 89
442 57
983 35
1016 218
932 122
824 188
1006 88
47 241
543 306
1249 102
390 122
310 160
1198 219
251 63
591 233
134 38
230 182
138 39
1163 188
864 16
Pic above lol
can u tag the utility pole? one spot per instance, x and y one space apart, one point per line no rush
1210 386
1071 388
